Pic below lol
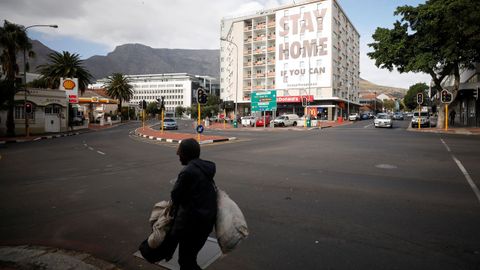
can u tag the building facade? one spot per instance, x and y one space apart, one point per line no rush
306 50
178 89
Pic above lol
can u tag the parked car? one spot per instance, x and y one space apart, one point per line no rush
422 120
383 120
247 121
258 122
364 116
286 120
354 117
398 116
170 123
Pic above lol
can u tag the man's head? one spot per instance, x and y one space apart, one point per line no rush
187 150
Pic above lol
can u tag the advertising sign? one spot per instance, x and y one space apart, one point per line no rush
293 99
304 46
70 86
264 101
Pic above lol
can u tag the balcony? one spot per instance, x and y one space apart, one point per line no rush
260 38
260 87
271 37
248 40
259 63
260 75
271 49
260 26
259 51
272 86
247 52
271 62
248 28
271 24
271 74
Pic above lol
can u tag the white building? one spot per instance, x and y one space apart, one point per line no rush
177 88
308 49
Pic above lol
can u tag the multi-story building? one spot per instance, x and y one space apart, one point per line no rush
306 50
178 89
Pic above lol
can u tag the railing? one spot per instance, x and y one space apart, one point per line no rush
248 28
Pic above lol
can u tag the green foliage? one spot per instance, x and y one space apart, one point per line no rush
65 65
152 108
179 110
126 111
389 105
438 38
410 99
210 109
119 88
13 39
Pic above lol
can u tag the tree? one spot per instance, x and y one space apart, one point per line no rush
65 65
119 87
152 108
410 99
179 110
13 39
210 109
389 105
439 38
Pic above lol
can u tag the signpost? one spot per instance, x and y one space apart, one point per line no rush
446 98
264 101
202 99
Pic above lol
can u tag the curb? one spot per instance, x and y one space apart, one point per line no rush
179 141
41 138
38 257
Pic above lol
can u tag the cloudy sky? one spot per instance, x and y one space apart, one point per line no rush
96 27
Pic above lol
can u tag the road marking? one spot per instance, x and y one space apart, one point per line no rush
467 176
367 126
91 148
101 153
465 172
446 146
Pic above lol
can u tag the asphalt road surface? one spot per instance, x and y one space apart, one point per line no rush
352 197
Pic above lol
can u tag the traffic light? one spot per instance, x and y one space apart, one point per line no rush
446 97
419 98
201 96
304 101
28 108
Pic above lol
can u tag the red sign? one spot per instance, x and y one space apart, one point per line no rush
293 99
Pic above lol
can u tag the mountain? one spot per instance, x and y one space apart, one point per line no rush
366 86
40 58
135 59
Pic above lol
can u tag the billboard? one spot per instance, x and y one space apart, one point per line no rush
70 86
304 46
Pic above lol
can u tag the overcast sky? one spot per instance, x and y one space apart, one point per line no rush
96 27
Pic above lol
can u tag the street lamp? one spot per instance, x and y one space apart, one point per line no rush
27 133
236 79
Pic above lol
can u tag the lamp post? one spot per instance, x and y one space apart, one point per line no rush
236 78
27 131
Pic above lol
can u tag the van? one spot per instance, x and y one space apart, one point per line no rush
286 120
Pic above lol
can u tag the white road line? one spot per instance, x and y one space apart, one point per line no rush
467 176
367 126
464 171
101 153
91 148
446 146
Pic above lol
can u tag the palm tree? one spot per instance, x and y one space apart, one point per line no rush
119 87
13 39
65 65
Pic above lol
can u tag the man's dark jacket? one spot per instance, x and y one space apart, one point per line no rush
194 198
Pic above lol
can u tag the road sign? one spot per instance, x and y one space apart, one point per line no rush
264 101
200 129
446 97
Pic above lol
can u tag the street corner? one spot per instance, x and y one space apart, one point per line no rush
177 137
38 257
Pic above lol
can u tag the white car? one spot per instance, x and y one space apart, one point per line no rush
247 121
354 117
286 120
383 120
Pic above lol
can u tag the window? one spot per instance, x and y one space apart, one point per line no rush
19 110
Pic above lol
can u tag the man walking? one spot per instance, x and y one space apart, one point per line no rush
452 117
194 200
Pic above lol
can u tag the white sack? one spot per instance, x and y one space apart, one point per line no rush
160 221
231 227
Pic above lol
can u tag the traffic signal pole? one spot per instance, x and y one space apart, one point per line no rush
419 115
446 116
199 121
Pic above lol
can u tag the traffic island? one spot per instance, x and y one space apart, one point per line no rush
177 137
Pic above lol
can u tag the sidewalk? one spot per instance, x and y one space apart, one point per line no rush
321 125
451 130
35 257
177 137
36 137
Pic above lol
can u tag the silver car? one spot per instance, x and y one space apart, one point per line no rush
383 120
170 123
